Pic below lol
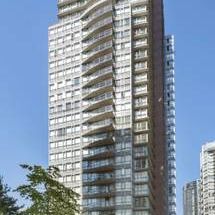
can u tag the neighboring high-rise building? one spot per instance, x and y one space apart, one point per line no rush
191 198
207 187
109 87
170 123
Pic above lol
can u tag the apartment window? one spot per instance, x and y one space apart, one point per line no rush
141 163
61 132
68 106
141 202
76 81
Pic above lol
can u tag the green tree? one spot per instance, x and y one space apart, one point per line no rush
8 205
47 196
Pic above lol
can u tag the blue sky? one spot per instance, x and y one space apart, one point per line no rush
23 83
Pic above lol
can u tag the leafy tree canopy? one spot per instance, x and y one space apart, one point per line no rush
8 205
47 196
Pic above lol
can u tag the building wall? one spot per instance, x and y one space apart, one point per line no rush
170 122
207 186
107 104
191 198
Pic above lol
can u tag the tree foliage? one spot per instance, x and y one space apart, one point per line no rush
47 196
8 205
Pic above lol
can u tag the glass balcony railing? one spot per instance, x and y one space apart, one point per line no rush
96 151
97 87
68 8
96 138
98 125
93 190
97 14
98 112
98 203
97 177
97 25
140 78
99 48
141 20
140 90
97 37
100 73
86 165
95 63
98 101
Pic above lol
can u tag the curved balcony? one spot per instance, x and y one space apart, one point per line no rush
102 24
99 114
140 34
106 125
97 64
98 166
140 57
101 49
98 179
142 128
140 79
92 5
98 153
107 209
140 11
73 8
141 67
141 117
99 38
143 90
98 101
65 2
95 16
98 76
99 192
141 45
98 140
139 2
140 104
140 22
99 88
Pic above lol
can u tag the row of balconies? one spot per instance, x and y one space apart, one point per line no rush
66 9
92 18
139 2
140 90
94 152
99 205
99 75
104 47
99 127
100 24
98 140
98 88
98 166
64 2
99 62
98 101
95 190
106 34
99 114
141 127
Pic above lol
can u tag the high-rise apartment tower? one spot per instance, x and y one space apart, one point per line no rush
107 102
191 199
207 185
